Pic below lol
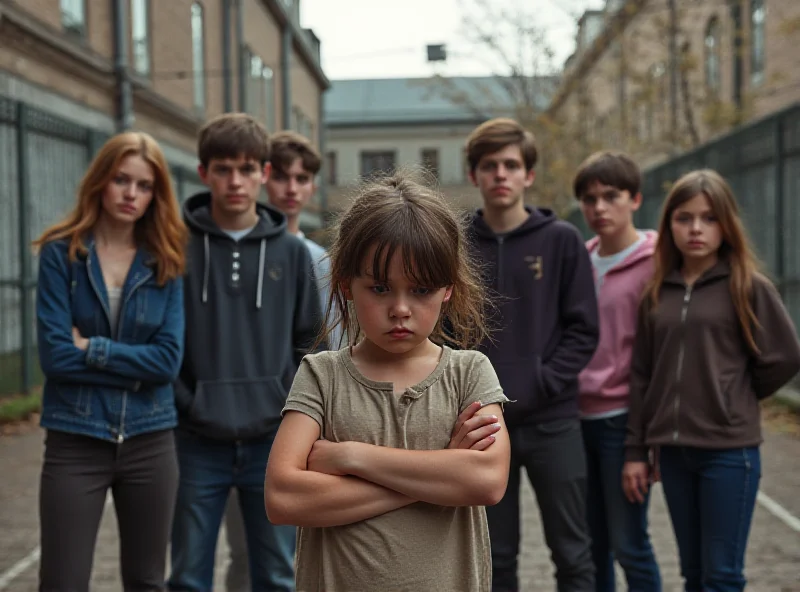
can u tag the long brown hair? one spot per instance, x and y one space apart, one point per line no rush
735 247
161 230
393 214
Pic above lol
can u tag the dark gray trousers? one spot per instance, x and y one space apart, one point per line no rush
142 474
554 459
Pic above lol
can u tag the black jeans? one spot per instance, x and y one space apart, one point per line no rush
554 459
142 474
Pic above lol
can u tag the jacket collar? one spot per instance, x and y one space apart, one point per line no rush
720 269
644 251
140 271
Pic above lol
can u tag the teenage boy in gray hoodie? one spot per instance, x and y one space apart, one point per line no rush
252 313
290 187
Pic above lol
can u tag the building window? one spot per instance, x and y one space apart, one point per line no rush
312 131
140 38
198 57
298 122
261 96
430 160
302 124
659 99
268 84
757 40
642 123
712 55
330 168
256 65
73 16
254 96
373 162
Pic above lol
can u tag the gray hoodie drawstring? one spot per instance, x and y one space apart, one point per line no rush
260 286
206 267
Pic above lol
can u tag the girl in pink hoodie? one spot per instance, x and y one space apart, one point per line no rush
607 185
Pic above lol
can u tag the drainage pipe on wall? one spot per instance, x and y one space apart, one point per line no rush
124 91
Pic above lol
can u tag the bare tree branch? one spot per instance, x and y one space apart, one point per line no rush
511 39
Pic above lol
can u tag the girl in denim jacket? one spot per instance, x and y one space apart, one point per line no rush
110 330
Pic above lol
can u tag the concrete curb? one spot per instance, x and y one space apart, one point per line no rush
789 397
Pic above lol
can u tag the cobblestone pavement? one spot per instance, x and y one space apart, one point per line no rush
773 560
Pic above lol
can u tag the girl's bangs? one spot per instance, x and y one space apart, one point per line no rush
426 261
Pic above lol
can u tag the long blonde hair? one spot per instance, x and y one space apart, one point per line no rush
735 248
161 230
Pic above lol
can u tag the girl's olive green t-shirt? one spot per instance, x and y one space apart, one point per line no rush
421 547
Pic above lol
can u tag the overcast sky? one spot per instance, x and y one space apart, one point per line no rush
382 39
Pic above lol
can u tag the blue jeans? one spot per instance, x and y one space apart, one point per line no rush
711 495
618 527
208 470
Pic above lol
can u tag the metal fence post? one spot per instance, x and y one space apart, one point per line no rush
177 174
93 143
780 250
25 263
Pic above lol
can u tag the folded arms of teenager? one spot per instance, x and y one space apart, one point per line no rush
295 495
442 477
157 361
307 483
59 358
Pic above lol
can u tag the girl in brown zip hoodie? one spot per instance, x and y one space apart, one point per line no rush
713 339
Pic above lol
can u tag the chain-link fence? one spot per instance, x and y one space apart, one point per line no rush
762 164
42 159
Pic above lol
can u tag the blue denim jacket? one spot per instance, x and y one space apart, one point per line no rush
121 386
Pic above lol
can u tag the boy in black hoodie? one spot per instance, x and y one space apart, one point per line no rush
252 313
546 331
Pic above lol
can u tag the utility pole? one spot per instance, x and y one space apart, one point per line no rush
674 65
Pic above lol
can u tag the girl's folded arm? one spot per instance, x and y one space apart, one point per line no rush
294 495
156 362
442 477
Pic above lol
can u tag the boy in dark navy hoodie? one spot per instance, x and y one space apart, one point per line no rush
546 331
252 313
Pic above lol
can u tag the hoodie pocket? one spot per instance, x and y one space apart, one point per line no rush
239 408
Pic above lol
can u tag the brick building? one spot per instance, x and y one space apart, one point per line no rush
73 72
162 66
733 61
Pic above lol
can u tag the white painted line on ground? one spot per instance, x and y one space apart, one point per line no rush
21 566
25 563
777 510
